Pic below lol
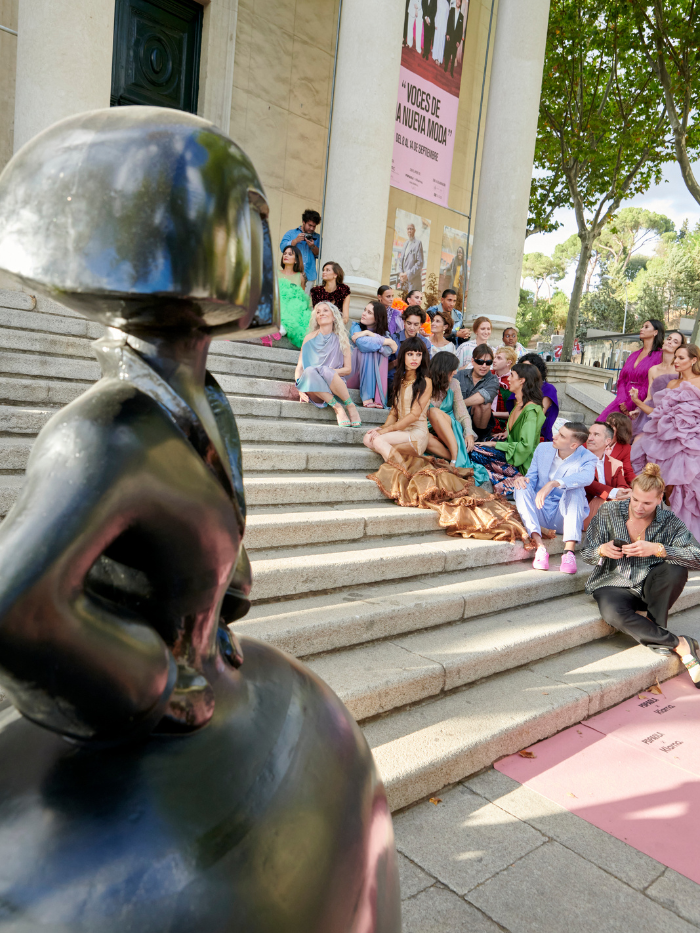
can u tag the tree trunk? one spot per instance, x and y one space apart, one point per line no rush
576 295
696 329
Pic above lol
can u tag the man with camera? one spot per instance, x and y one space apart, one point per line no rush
305 238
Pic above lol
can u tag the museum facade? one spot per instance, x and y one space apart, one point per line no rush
381 116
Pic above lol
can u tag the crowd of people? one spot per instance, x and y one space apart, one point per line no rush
471 433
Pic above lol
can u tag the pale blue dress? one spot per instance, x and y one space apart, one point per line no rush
321 357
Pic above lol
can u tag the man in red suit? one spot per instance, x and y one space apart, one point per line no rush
610 482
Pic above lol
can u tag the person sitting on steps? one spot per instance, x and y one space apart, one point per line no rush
324 359
642 554
479 387
609 482
407 424
552 492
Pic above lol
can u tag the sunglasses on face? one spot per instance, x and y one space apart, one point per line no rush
482 362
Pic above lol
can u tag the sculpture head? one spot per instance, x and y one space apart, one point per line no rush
141 218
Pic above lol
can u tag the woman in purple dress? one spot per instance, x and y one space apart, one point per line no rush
635 372
659 377
671 439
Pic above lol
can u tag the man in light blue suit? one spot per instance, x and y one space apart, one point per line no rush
552 494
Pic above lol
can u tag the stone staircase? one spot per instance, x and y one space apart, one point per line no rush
450 653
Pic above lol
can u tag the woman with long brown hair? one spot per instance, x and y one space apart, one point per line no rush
635 372
659 377
406 425
333 288
510 457
671 438
373 345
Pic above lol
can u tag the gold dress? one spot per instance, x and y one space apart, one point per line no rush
418 432
425 482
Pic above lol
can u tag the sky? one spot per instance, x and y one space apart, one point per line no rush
670 197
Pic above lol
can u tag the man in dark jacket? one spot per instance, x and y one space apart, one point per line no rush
429 12
453 36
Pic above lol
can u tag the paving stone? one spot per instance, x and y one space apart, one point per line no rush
677 893
553 889
611 854
412 878
464 840
11 298
438 910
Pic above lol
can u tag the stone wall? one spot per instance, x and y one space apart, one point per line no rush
8 67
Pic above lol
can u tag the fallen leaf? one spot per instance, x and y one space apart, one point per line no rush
544 693
572 795
656 688
436 800
526 754
643 696
579 732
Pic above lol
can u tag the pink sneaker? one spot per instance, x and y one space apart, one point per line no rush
541 561
568 562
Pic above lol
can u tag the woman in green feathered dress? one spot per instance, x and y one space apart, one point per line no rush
295 304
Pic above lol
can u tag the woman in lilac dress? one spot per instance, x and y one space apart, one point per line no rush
635 372
671 438
659 377
325 358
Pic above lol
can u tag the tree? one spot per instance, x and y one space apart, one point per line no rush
631 229
543 270
600 122
669 35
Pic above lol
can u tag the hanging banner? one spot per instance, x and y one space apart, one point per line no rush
409 251
428 99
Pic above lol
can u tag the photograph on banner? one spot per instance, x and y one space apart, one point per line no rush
409 251
454 262
428 98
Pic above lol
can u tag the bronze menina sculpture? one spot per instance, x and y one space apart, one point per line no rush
161 777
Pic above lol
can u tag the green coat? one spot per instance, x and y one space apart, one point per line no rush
523 437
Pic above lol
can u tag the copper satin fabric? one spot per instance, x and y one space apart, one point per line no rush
465 509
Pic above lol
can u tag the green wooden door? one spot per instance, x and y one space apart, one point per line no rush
157 46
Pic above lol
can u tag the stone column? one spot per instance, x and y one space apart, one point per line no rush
510 133
64 62
362 142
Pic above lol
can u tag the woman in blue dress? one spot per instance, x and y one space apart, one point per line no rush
373 347
325 358
451 432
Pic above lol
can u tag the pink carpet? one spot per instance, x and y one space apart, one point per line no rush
633 771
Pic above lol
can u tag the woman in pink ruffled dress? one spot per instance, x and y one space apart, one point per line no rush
635 372
671 438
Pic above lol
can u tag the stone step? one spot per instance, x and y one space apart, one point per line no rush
250 351
375 678
288 431
311 457
310 488
49 323
21 390
296 525
32 344
281 408
311 625
49 367
320 568
423 748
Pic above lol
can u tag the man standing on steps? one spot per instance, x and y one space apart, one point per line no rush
609 482
642 554
552 493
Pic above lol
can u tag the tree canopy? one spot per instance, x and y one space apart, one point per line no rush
601 129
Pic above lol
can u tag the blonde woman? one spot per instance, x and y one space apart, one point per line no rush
325 358
642 554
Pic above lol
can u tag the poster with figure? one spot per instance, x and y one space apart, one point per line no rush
409 251
428 99
454 262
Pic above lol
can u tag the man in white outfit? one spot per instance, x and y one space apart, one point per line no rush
553 492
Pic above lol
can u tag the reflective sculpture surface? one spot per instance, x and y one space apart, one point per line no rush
156 774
